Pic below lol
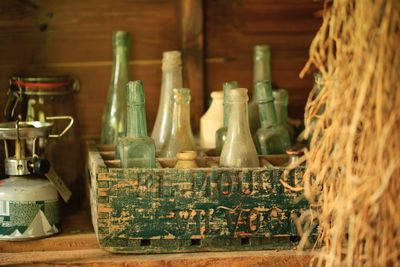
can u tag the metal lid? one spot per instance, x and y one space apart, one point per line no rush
24 130
44 85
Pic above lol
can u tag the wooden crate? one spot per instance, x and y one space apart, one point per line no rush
166 210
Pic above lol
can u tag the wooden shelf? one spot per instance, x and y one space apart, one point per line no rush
77 245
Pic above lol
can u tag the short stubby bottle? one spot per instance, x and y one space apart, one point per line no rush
220 135
271 137
180 137
261 72
114 116
137 150
281 101
171 78
238 150
212 120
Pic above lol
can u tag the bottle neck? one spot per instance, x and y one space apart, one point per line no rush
181 118
226 113
267 114
238 118
281 112
120 64
136 121
261 70
171 78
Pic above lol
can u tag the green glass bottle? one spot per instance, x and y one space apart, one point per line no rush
261 72
281 102
180 137
239 150
114 116
137 149
271 137
220 135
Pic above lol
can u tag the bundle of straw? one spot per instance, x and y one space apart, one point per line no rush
353 164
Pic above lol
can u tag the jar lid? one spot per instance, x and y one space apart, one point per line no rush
27 189
43 85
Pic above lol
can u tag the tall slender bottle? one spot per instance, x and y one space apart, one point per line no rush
261 72
137 150
171 78
220 135
271 138
180 137
239 149
114 116
281 102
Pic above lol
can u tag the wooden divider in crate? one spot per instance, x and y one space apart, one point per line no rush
204 209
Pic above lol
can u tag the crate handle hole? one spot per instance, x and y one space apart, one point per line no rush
294 238
195 242
245 241
145 242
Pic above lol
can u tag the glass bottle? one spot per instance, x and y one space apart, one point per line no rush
212 120
180 137
137 150
239 149
271 137
220 135
171 78
261 72
114 116
281 101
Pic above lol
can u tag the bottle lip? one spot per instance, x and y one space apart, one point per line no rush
135 93
217 95
238 95
263 92
262 51
171 59
281 95
121 38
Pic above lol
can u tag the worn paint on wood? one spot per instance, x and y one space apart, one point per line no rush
205 209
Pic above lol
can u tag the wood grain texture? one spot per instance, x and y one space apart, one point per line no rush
77 246
74 37
97 257
193 55
234 27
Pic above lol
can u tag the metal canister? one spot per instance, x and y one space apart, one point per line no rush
33 99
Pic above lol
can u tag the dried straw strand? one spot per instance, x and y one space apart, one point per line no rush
353 164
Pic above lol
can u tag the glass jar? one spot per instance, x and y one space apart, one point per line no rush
35 98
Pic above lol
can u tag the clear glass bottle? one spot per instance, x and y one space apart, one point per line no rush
261 72
220 135
180 137
239 149
137 150
271 137
281 101
171 78
114 116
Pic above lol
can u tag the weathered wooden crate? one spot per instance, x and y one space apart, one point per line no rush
167 210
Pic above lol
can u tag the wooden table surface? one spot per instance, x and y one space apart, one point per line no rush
77 246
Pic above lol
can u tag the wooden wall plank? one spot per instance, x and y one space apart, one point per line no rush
234 27
75 37
193 55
